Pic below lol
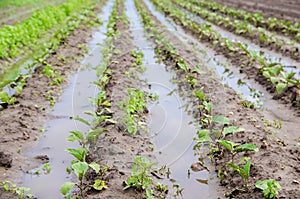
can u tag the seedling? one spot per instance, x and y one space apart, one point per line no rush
13 188
269 187
235 148
139 178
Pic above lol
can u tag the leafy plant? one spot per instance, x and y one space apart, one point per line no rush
13 188
139 178
269 187
235 148
244 172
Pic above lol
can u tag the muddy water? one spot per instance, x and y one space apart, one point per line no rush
290 64
74 101
171 127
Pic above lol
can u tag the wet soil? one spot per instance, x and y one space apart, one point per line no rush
248 67
117 149
281 9
278 157
275 159
22 123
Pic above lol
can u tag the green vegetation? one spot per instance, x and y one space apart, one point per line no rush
269 187
19 3
13 188
135 105
206 33
273 24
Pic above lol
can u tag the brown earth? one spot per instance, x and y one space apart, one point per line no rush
277 158
21 122
116 148
281 9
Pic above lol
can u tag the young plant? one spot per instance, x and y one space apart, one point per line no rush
80 166
139 178
244 172
269 187
235 148
13 188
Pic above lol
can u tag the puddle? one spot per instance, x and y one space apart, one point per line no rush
74 101
289 64
171 127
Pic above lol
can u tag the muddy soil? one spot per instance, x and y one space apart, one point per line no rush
281 9
275 159
116 148
22 123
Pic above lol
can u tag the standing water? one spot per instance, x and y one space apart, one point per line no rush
74 101
171 128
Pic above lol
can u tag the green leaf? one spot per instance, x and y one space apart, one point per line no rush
182 65
92 113
247 168
95 167
80 168
232 129
75 136
66 187
100 185
280 87
227 144
200 94
246 147
274 79
92 134
204 136
220 119
100 119
79 154
82 120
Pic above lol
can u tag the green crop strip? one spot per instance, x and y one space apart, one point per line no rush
281 79
19 3
288 28
15 40
19 80
258 35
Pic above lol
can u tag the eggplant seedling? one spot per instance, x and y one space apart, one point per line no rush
269 187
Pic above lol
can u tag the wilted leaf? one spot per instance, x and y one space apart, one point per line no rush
99 185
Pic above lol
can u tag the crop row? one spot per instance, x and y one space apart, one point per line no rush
16 40
18 3
288 28
81 166
18 82
258 35
209 123
273 72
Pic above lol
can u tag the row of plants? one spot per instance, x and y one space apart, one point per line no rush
18 3
13 86
214 128
101 117
275 75
288 28
258 35
18 39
